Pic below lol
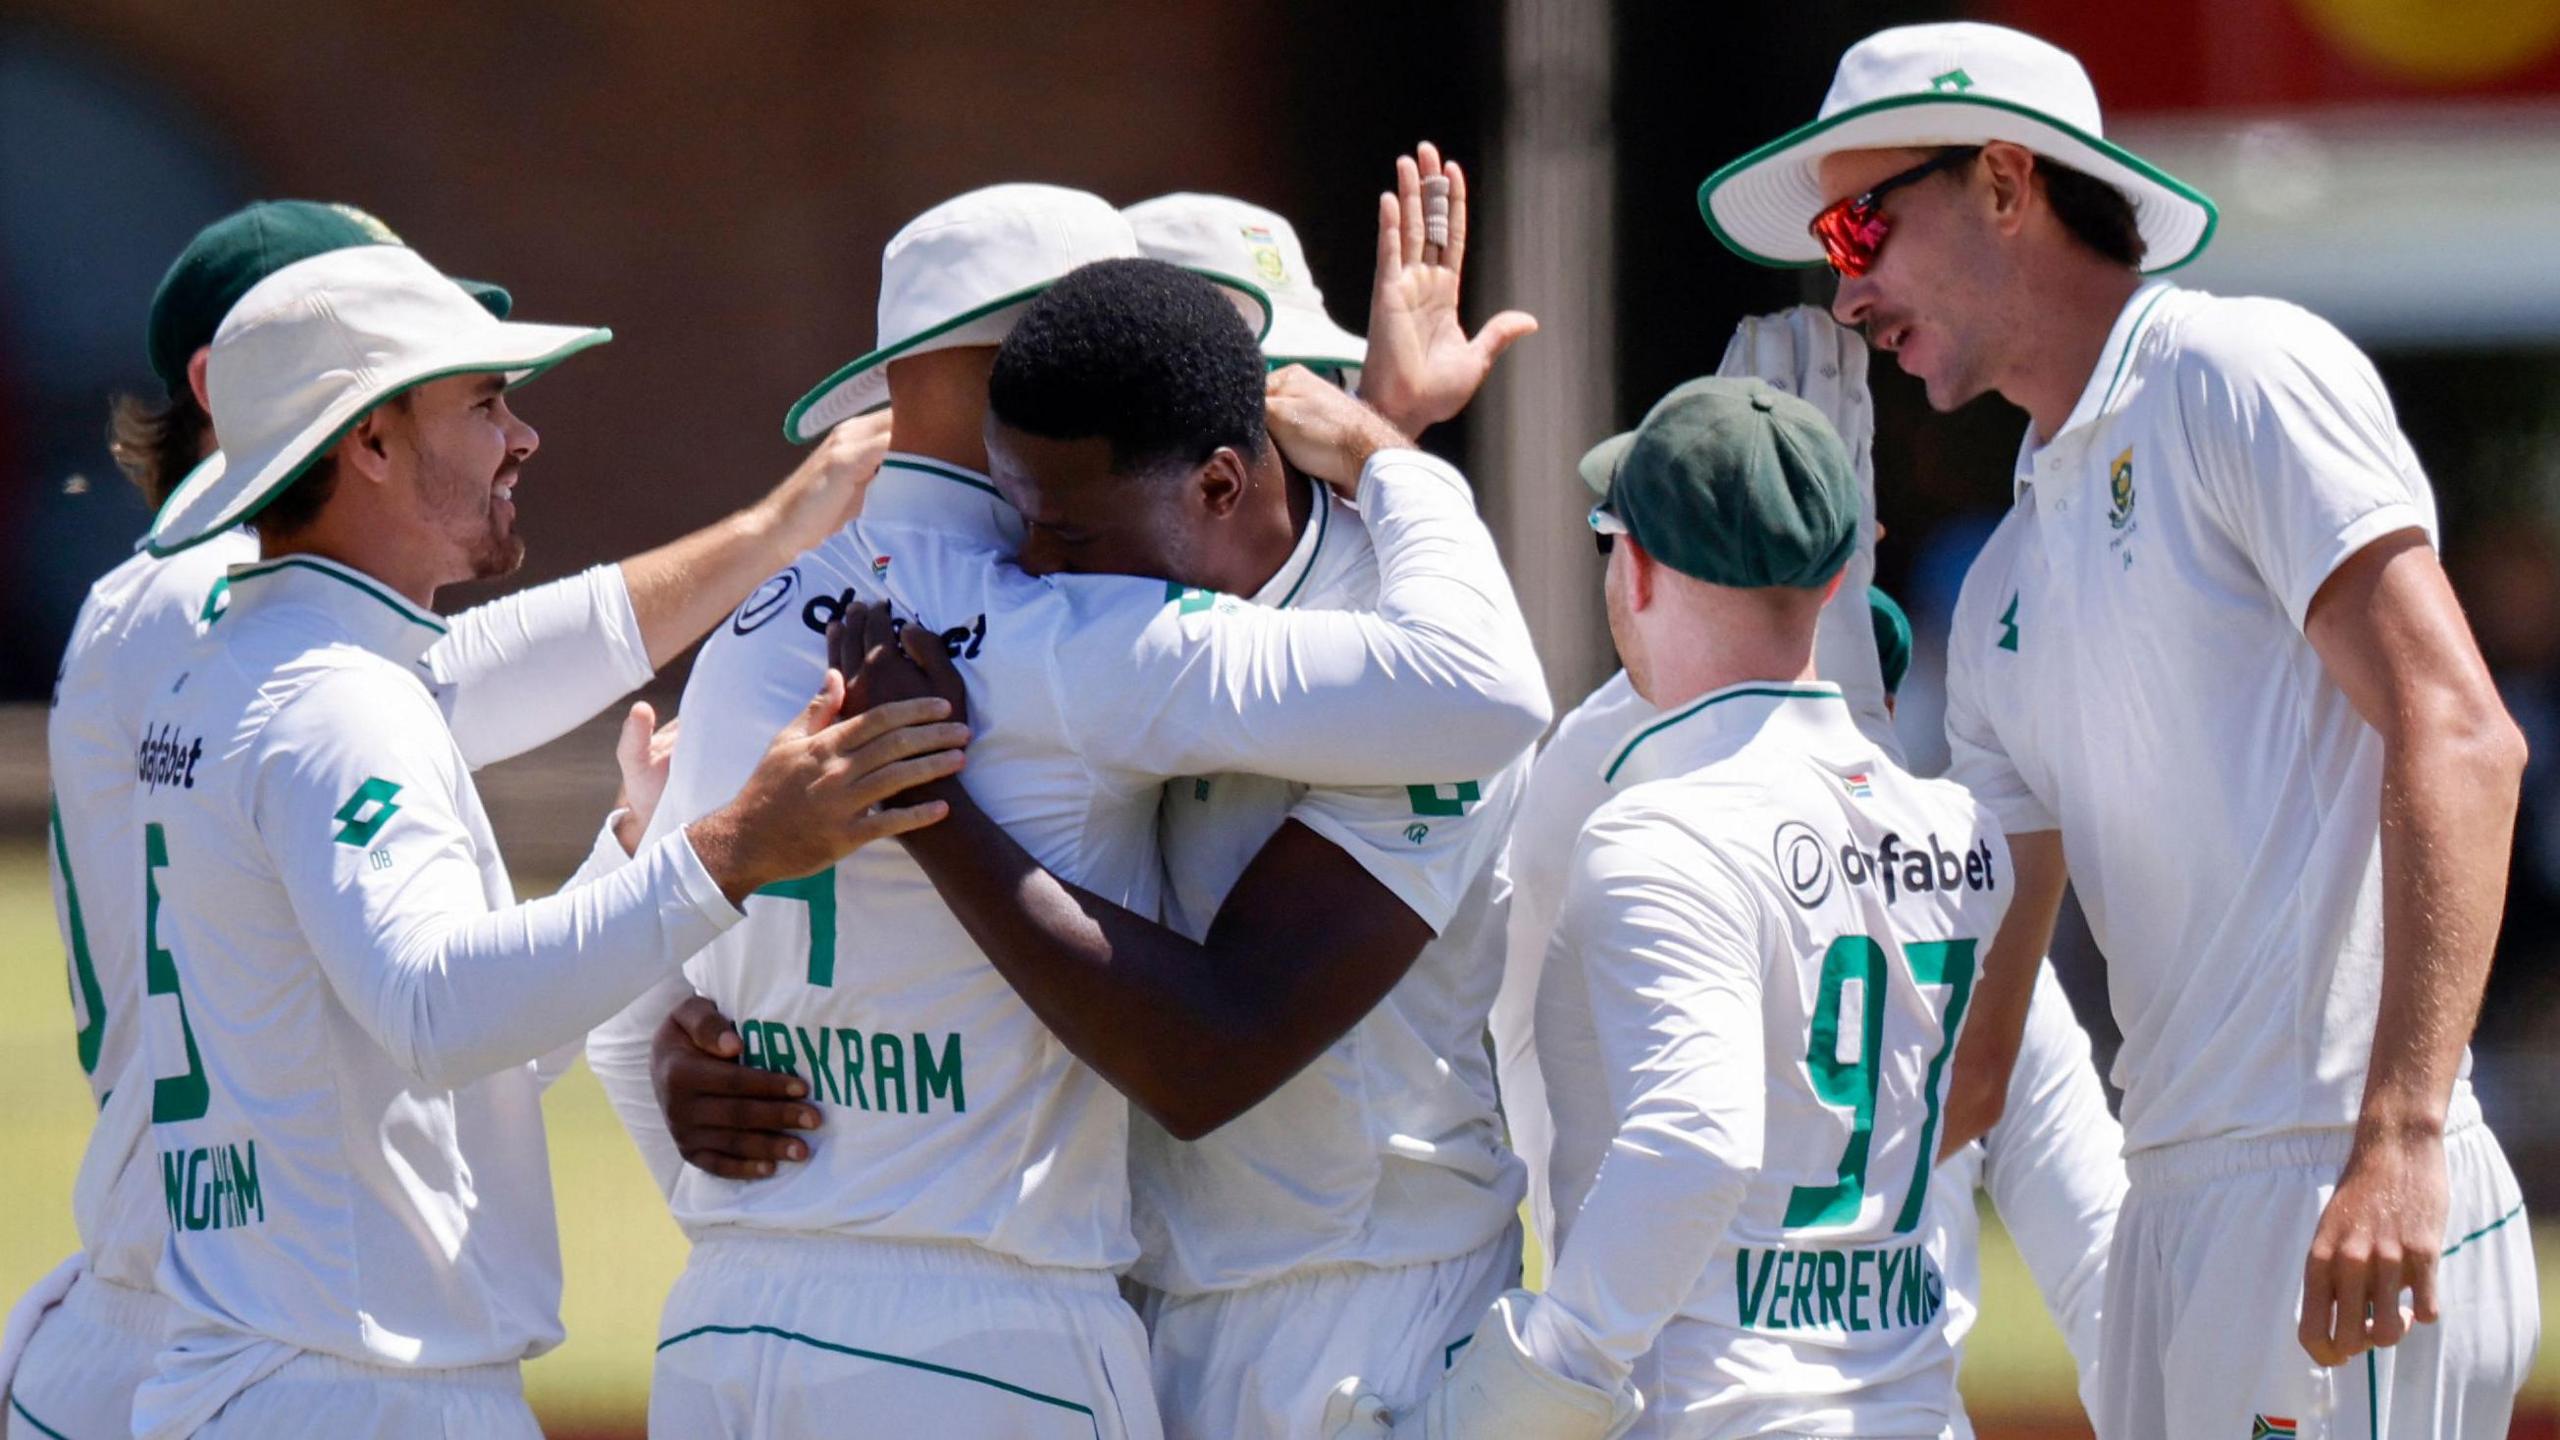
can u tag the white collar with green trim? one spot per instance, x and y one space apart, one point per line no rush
915 490
1290 581
2106 379
1810 714
372 613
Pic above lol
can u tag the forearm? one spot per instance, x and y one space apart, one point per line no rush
681 589
526 669
1996 1023
1141 1004
1637 1248
2448 819
455 999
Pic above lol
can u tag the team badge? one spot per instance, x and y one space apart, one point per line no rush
2120 490
2267 1427
879 567
1859 788
1266 254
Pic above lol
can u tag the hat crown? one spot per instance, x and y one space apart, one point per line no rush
975 249
324 327
1737 483
1230 237
1965 59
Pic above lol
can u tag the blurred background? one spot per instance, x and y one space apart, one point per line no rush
716 181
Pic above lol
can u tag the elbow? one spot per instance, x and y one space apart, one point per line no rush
2476 743
1194 1111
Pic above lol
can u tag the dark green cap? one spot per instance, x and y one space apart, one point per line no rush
245 247
1893 638
1736 483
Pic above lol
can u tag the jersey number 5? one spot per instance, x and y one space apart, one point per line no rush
178 1097
1856 1083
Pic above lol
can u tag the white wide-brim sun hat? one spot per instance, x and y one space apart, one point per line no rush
1958 83
962 272
1229 239
306 352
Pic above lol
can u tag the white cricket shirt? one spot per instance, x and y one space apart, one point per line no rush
2052 1166
1387 1149
513 674
952 1113
2127 664
342 1001
1757 978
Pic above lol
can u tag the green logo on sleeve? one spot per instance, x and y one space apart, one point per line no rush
1443 799
1189 599
366 812
2009 626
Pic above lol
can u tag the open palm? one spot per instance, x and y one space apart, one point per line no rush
1422 367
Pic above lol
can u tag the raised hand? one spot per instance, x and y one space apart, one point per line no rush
1422 367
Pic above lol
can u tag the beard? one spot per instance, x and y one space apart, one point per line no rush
492 547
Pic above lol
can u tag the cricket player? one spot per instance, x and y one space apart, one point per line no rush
972 1174
344 1001
2052 1165
513 674
1317 1170
1741 1162
2218 583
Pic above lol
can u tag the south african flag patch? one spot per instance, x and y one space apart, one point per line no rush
2266 1427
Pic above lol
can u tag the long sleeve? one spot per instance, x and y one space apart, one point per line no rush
1438 685
2055 1168
1669 945
618 1053
529 668
360 801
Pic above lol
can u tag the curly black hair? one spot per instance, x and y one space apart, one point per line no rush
1147 355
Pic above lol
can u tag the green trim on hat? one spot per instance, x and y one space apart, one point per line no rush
1805 132
886 353
531 370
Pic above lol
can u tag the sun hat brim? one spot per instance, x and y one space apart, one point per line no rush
1761 205
1310 338
225 490
862 385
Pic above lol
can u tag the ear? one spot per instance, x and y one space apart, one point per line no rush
2010 170
1223 481
365 448
1831 587
197 365
1643 572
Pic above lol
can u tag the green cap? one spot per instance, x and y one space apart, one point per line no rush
1893 638
1736 483
245 247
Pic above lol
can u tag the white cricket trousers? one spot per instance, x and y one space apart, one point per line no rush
1257 1363
315 1394
77 1377
772 1336
2204 1300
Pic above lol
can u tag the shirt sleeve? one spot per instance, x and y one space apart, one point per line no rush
2296 443
1438 684
1671 948
2055 1168
529 668
1976 757
618 1053
1426 843
359 800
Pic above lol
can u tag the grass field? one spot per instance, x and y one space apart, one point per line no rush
621 1252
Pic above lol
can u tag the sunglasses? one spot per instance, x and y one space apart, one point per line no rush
1605 528
1852 231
